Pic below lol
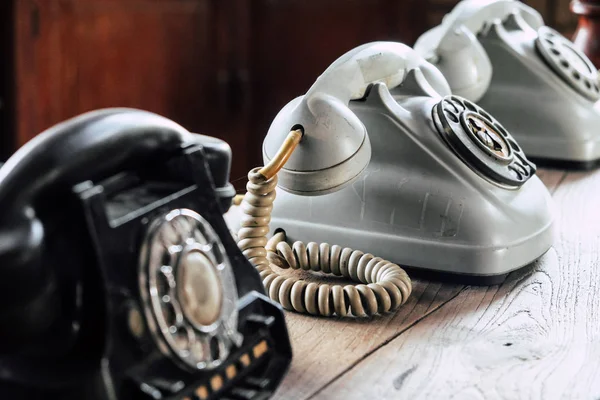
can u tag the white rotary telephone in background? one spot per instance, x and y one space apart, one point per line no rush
500 54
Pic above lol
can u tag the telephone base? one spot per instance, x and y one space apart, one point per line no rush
463 279
553 163
575 150
484 253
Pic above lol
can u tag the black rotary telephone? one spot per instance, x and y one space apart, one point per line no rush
118 276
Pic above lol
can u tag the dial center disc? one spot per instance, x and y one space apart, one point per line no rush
199 289
486 136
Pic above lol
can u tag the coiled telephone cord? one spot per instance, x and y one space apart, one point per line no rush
384 286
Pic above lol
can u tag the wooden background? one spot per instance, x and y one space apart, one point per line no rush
218 67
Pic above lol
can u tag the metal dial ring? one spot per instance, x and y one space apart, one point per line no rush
482 142
572 65
188 290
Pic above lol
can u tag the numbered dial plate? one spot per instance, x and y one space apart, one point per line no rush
570 64
188 289
482 142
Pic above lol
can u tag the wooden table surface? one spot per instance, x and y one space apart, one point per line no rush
536 336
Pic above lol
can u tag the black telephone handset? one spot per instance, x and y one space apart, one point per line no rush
120 279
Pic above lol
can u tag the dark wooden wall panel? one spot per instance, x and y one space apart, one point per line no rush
162 56
7 86
219 67
145 55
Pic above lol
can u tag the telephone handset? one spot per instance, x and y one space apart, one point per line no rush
454 48
120 277
500 54
327 161
382 158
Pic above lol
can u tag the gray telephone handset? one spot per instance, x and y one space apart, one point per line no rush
500 54
394 165
324 163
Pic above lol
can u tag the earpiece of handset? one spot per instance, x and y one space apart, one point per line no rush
90 146
324 115
465 64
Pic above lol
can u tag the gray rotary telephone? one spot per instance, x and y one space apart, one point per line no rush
499 54
388 161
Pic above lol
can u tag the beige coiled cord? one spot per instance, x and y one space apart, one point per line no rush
384 285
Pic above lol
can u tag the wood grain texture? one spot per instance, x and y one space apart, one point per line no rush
535 336
326 349
76 56
167 57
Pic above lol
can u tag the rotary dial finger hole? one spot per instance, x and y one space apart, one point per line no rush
452 117
163 285
520 171
501 129
183 339
470 107
453 105
215 348
166 258
514 145
169 315
484 114
516 174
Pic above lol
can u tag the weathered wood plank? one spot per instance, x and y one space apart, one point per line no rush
535 336
325 348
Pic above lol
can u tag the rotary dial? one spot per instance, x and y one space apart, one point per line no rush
188 289
481 142
570 64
